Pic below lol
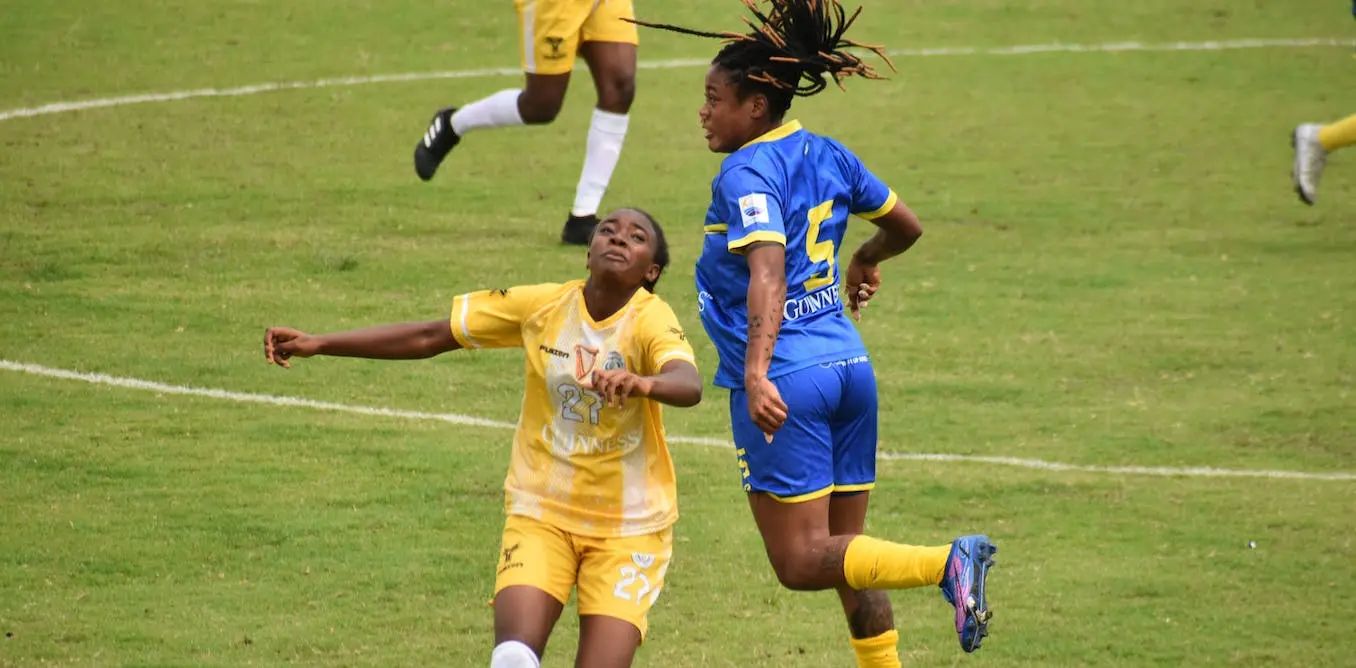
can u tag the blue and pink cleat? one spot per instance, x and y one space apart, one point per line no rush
963 586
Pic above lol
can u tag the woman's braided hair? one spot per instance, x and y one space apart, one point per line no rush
795 46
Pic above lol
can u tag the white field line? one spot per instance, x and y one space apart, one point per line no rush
1018 50
453 418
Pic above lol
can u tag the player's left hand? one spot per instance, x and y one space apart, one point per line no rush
862 281
616 385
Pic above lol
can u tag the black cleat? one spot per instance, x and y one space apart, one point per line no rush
579 229
438 141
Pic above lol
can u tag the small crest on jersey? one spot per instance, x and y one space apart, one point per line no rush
642 560
584 359
753 209
613 361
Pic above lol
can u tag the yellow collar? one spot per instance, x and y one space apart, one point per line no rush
780 132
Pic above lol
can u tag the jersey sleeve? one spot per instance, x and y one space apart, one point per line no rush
750 208
871 198
661 339
494 318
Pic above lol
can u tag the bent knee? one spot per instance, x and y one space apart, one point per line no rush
796 572
616 94
540 110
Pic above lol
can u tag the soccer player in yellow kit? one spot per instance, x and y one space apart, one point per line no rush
1313 142
590 492
551 33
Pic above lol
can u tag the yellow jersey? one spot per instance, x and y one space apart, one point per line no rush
578 465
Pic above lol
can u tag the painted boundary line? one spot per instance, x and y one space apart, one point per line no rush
1018 50
468 420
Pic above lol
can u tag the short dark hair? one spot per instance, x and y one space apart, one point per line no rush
793 49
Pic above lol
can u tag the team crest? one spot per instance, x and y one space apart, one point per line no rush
613 361
555 43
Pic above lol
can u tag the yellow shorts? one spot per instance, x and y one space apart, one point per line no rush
552 30
616 577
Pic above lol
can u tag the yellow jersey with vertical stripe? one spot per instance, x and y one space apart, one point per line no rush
577 464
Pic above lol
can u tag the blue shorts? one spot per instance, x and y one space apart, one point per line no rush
828 442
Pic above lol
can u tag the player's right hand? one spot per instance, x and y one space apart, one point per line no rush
765 406
616 385
282 343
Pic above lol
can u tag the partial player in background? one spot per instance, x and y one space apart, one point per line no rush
601 355
551 33
1313 142
803 402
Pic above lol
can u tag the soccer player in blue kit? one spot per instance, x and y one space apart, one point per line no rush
803 404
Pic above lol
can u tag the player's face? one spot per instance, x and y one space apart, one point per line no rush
624 246
729 122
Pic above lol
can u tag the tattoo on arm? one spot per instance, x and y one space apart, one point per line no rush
766 295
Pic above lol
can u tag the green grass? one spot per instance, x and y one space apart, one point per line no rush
1114 273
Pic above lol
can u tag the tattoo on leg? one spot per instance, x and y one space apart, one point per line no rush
832 553
873 615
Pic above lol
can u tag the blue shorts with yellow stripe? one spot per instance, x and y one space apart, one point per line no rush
828 443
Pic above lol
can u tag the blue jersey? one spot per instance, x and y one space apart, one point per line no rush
795 188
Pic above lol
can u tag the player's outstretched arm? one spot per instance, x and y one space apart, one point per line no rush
677 384
403 341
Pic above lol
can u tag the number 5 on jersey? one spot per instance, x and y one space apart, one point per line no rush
820 252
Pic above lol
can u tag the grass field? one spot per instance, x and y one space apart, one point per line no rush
1115 273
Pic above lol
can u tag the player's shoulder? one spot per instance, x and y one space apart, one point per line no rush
535 289
744 160
649 304
534 296
655 318
840 151
651 308
745 169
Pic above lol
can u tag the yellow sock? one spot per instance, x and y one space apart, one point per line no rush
876 564
877 652
1338 135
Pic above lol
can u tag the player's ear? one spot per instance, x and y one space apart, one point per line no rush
758 105
652 274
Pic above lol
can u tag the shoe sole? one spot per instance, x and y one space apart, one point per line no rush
1294 171
424 163
980 616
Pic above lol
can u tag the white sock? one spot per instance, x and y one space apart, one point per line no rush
496 111
606 134
513 654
